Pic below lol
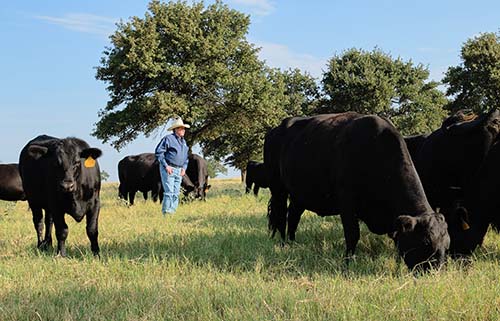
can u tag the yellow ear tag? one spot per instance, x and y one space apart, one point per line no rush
465 226
89 162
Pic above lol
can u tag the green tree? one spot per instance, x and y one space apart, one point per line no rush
179 60
375 83
215 167
104 176
475 83
271 96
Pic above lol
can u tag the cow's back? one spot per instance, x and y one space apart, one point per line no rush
139 172
451 156
11 185
323 160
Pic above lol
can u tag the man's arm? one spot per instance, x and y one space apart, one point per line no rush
160 152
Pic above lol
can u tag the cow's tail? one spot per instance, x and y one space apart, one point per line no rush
122 192
270 225
276 215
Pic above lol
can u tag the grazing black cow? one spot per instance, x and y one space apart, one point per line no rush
198 173
256 176
359 167
139 173
481 206
61 176
449 159
11 185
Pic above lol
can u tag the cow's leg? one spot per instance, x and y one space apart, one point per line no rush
37 222
61 232
294 213
276 214
351 232
256 190
131 197
154 195
122 192
92 228
248 187
145 195
47 241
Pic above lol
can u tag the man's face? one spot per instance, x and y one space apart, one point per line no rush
180 131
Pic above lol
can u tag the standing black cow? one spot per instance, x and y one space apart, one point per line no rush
357 166
11 185
197 171
61 176
139 173
256 176
448 162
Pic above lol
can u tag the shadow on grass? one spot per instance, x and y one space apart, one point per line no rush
243 244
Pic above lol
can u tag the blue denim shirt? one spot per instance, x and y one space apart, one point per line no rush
172 150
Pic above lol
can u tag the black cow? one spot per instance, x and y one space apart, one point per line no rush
142 173
414 143
448 161
358 166
139 173
11 185
197 171
61 176
256 176
480 208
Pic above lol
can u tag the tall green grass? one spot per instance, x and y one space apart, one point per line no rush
214 260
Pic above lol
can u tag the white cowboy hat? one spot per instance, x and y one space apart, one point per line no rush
178 123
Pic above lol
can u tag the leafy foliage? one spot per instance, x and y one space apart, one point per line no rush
195 62
375 83
179 60
215 167
104 176
475 84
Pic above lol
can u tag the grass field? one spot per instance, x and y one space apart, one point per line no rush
214 260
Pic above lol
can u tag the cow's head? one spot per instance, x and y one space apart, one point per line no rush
422 240
67 161
201 192
465 234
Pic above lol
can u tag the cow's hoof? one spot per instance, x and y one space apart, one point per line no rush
45 245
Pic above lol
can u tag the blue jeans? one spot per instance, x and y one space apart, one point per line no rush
171 188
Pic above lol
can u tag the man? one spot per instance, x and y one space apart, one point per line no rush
172 154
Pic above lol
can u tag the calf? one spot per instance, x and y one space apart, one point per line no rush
256 176
197 171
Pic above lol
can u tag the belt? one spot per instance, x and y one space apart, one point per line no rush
173 165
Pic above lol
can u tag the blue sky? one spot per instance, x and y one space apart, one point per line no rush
50 50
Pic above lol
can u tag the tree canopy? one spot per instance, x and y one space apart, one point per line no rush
179 60
194 62
475 83
375 83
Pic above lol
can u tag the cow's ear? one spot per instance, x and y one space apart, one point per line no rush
37 151
208 187
92 152
463 216
405 223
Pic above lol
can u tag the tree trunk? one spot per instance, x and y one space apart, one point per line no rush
243 175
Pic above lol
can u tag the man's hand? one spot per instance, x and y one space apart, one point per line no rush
170 170
183 172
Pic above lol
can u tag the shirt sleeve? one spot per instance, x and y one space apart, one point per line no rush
160 151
